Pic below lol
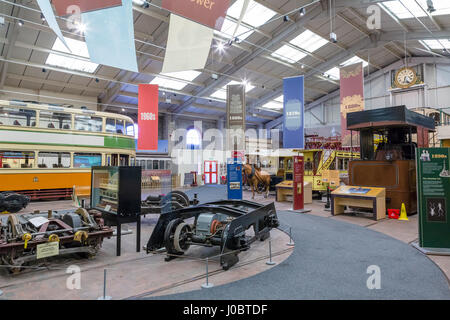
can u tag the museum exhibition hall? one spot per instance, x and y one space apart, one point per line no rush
206 151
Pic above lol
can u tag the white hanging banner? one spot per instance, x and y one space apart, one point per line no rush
188 45
49 15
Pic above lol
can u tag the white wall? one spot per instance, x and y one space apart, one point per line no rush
435 94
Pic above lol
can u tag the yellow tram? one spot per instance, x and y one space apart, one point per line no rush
46 150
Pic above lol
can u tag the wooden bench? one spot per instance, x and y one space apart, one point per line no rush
362 197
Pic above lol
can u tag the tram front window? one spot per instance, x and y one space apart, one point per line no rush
17 117
16 159
55 120
86 160
53 160
111 125
88 123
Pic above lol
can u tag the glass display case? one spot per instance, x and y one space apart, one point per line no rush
116 190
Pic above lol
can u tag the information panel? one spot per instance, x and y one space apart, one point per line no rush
298 183
433 196
234 179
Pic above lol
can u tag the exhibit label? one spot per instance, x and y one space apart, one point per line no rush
293 125
46 250
433 196
148 117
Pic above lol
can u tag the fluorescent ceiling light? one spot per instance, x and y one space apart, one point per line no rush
289 54
222 92
174 83
78 48
442 7
435 45
256 15
309 41
280 99
334 73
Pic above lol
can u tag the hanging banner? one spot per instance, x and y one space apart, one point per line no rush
352 97
148 117
293 123
433 197
67 7
188 45
236 114
47 11
110 36
208 12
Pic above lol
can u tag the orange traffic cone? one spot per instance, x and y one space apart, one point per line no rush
403 215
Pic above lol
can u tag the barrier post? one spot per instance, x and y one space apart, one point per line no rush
290 243
207 285
270 262
104 297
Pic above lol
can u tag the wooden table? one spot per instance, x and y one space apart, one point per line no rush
286 188
363 197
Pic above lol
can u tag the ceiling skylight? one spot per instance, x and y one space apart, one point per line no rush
334 73
274 105
437 45
222 92
78 48
289 54
255 15
307 40
396 7
280 99
174 83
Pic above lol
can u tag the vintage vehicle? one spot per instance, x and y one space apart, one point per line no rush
46 150
391 164
76 231
221 223
321 154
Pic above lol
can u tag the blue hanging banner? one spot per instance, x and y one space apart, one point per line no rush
110 36
294 122
47 11
234 179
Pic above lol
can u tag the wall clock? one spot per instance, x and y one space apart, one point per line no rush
405 77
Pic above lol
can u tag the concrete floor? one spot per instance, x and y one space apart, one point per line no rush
135 275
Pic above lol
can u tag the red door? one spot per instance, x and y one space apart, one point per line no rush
210 172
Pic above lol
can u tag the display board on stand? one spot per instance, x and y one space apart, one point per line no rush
433 197
234 179
298 183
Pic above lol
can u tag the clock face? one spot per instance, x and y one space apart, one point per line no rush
405 77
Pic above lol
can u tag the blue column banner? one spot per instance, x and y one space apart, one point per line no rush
294 122
110 36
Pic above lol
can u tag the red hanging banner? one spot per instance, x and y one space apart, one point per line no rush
148 117
67 7
352 96
208 12
299 200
